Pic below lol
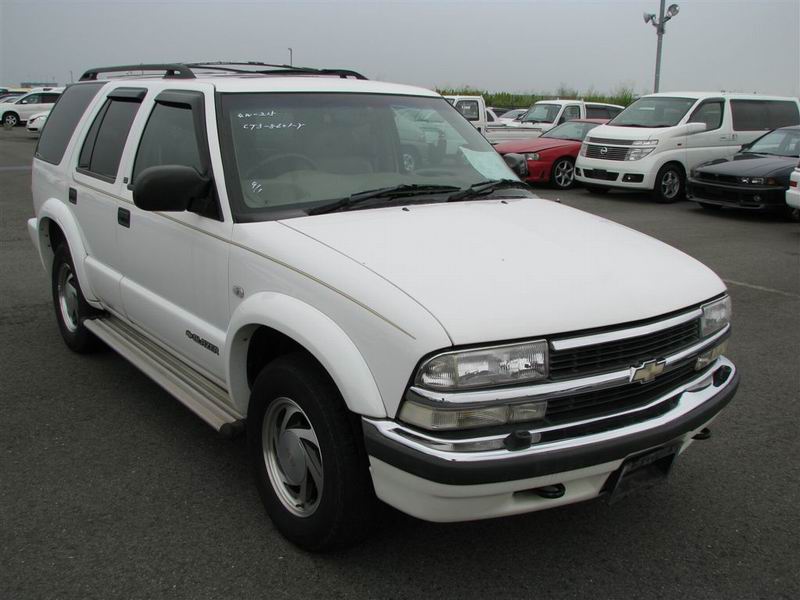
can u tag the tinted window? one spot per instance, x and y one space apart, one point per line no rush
102 149
49 98
709 113
62 120
169 139
469 108
754 115
613 111
596 112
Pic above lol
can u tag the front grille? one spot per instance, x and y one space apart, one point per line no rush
606 152
716 177
604 141
741 197
621 354
598 174
610 401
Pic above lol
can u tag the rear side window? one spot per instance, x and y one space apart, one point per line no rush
102 148
49 98
596 112
63 119
169 138
758 115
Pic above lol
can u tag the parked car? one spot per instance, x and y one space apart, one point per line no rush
18 111
793 193
8 97
257 246
546 114
37 121
551 157
511 116
660 138
756 178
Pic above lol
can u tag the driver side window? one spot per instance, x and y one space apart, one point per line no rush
710 113
169 138
570 112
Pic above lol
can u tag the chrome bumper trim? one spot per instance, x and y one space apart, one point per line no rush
622 334
558 389
431 445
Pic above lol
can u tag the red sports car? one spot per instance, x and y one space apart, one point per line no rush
551 157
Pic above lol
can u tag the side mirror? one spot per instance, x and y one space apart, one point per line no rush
517 163
169 188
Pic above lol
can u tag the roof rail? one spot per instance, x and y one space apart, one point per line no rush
186 70
171 71
274 69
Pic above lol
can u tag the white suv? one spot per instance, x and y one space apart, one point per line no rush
434 335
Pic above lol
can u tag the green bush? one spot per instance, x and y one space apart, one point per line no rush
623 96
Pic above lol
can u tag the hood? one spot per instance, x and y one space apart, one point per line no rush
493 270
534 145
749 165
627 133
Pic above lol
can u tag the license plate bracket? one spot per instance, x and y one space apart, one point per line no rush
642 471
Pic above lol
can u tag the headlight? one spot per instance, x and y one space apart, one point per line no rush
532 156
584 148
485 367
638 153
716 315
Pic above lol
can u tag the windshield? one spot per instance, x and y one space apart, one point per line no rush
289 153
542 113
513 114
655 111
571 130
781 142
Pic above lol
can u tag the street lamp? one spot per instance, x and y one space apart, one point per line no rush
659 25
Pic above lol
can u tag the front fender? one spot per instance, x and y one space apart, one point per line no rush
313 330
55 210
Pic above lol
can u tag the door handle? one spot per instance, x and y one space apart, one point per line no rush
124 217
73 195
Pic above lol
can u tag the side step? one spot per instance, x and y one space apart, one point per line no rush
200 395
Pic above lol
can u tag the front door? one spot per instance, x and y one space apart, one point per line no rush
175 264
717 141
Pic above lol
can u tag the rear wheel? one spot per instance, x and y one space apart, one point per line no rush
70 305
307 456
670 184
563 176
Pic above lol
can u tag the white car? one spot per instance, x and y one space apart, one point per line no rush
436 337
793 193
21 109
542 116
656 142
511 116
37 121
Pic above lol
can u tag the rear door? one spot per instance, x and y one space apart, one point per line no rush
96 184
175 264
29 105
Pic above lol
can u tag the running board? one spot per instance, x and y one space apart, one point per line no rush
199 394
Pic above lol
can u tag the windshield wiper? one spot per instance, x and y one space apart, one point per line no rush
485 187
404 189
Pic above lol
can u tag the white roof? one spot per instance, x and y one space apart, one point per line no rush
729 95
562 102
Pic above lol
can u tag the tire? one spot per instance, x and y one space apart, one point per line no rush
670 184
599 191
70 306
563 173
307 456
10 119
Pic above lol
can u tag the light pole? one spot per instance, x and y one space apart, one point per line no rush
659 25
290 56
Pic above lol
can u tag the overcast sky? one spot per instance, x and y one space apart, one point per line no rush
741 45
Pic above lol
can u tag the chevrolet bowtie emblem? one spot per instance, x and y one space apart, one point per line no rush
647 371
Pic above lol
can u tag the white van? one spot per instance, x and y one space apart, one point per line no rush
655 142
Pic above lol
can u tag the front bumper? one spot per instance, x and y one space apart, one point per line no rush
633 174
444 485
746 197
793 197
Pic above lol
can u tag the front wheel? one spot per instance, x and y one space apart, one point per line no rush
307 456
670 184
563 176
10 119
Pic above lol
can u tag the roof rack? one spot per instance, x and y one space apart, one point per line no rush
187 70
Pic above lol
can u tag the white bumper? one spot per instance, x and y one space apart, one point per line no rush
793 193
646 168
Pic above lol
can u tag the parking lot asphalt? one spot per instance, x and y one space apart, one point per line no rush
109 488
